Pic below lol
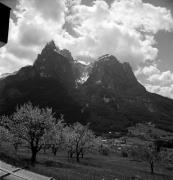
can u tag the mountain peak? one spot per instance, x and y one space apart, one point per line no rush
107 57
49 48
55 63
51 45
109 73
67 54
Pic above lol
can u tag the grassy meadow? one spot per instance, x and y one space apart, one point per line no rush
91 167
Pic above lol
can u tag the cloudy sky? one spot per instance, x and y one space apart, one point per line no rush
137 31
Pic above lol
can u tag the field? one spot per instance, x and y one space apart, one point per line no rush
91 167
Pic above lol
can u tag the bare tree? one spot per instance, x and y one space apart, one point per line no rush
79 139
5 135
69 139
30 124
55 137
147 153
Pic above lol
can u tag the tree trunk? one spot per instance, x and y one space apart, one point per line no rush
77 157
71 154
82 153
44 149
33 157
55 151
68 155
152 167
16 147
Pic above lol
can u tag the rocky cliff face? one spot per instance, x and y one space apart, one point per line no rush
56 64
115 99
108 73
110 98
49 82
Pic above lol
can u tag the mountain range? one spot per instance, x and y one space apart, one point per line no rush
105 94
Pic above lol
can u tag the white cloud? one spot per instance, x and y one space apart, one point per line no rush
162 78
142 16
45 9
71 3
125 29
162 90
38 21
147 70
156 81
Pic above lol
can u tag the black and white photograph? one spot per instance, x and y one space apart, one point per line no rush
86 89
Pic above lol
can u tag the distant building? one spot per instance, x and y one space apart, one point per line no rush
4 24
